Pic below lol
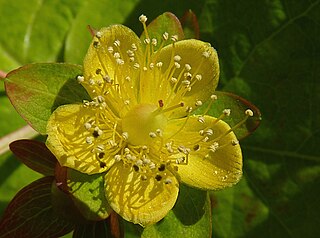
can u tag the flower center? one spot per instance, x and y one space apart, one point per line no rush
142 123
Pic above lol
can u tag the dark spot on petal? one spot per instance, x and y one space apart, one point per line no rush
196 147
162 167
98 71
95 134
158 177
95 44
102 164
136 168
101 155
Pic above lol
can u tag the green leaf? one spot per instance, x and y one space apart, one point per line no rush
35 155
87 192
36 90
34 30
167 22
99 229
238 106
190 217
30 213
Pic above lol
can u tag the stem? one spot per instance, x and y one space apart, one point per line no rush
25 132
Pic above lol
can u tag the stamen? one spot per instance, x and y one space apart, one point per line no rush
80 79
165 36
181 104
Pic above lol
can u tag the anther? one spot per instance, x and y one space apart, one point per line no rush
177 58
116 55
206 54
249 112
199 77
201 119
125 135
134 47
180 160
143 18
173 80
152 165
159 64
214 147
152 134
87 125
226 112
159 132
187 67
110 49
107 79
174 38
167 181
117 158
89 140
165 36
209 132
117 43
98 34
213 97
177 65
147 41
198 103
154 41
235 142
136 66
80 79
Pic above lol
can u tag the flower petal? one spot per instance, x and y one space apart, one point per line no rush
214 160
111 66
189 73
139 201
74 145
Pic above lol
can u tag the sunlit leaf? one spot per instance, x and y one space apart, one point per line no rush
36 90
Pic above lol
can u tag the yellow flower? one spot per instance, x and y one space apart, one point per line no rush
139 128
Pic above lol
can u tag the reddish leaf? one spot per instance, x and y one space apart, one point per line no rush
190 25
167 22
238 105
35 155
31 214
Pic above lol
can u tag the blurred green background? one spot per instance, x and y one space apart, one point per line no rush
269 54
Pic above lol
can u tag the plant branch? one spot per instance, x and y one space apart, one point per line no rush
26 132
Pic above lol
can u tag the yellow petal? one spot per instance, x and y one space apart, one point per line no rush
212 163
68 139
193 64
111 66
139 201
